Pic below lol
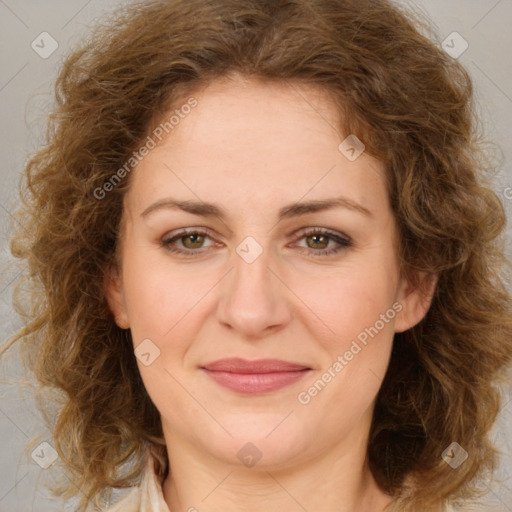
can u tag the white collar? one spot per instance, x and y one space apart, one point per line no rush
146 497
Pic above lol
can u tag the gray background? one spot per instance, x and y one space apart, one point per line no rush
25 98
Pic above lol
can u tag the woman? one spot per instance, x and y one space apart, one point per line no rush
268 264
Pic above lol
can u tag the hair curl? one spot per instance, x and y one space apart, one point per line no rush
413 107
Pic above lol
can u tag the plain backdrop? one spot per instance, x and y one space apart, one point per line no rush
27 71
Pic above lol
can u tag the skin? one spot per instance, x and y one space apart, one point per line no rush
253 148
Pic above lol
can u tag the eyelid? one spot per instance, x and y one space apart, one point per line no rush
187 231
324 231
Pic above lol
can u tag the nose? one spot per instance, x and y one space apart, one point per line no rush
254 300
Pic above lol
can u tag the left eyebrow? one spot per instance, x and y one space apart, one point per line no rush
293 210
303 208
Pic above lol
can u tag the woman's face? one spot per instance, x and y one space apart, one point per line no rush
262 272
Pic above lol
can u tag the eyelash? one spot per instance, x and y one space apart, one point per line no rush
344 242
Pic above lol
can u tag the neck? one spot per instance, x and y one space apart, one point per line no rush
337 480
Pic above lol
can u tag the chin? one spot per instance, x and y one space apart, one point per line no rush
267 442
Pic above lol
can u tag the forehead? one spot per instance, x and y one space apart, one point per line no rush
273 142
253 112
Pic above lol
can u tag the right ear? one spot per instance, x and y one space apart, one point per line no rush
115 297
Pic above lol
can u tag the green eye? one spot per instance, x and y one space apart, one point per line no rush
318 240
190 241
195 239
322 239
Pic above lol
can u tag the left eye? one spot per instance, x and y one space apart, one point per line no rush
323 237
192 241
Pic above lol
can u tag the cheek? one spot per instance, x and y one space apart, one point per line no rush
159 297
163 304
343 302
357 312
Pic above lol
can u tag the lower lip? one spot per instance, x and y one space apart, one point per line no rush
256 382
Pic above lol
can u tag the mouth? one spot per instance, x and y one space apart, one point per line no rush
251 377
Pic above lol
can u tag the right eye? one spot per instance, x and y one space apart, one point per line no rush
186 242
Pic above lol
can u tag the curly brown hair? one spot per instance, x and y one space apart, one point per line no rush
400 93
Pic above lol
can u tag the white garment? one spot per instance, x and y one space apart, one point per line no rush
148 496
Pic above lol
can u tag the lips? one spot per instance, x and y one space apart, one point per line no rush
259 376
238 365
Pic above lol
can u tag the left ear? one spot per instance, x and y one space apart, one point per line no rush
415 300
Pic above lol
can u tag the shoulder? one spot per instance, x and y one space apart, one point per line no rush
459 508
130 503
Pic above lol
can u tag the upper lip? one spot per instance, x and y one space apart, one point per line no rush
239 365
